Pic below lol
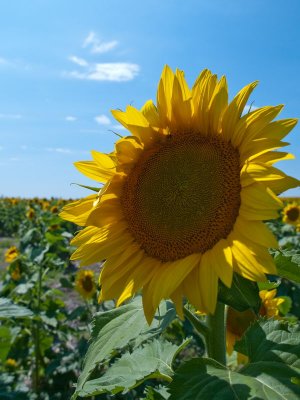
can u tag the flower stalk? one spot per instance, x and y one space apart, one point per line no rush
216 339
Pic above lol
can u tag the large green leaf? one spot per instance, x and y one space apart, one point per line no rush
10 310
205 379
153 360
288 265
273 348
242 295
116 328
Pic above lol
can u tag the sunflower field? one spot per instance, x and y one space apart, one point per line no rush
177 277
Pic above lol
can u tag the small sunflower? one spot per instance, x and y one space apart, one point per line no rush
11 254
16 274
184 196
85 283
238 322
11 363
30 213
291 214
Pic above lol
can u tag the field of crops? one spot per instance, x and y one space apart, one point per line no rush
47 303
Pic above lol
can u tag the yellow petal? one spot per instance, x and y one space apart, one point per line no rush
220 258
218 105
191 288
278 129
208 282
250 125
257 172
259 203
256 231
181 107
79 210
92 171
164 95
259 147
105 213
235 109
128 150
177 298
170 276
246 264
272 157
150 112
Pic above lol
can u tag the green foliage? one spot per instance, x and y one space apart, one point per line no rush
288 264
273 348
242 295
10 310
153 360
115 329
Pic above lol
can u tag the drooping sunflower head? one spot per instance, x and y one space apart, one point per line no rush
291 214
85 283
11 254
184 195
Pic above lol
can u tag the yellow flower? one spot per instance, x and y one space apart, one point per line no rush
291 214
11 363
85 283
11 254
184 195
270 303
238 322
16 274
54 209
30 213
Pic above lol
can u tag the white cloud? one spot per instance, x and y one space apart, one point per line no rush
117 72
79 61
59 150
102 120
70 118
10 116
97 46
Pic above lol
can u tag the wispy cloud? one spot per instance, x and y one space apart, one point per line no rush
116 72
79 61
97 46
10 116
59 150
99 71
23 147
70 118
102 120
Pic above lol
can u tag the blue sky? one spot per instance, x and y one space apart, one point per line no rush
65 64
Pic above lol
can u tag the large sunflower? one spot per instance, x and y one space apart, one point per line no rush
184 195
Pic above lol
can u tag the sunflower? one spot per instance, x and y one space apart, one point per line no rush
11 254
85 283
184 195
239 321
30 213
291 214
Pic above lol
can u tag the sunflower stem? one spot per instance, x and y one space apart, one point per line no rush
200 327
215 342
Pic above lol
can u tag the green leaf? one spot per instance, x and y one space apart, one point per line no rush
159 393
242 295
285 307
205 379
94 189
10 310
5 342
288 265
116 328
153 360
273 348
